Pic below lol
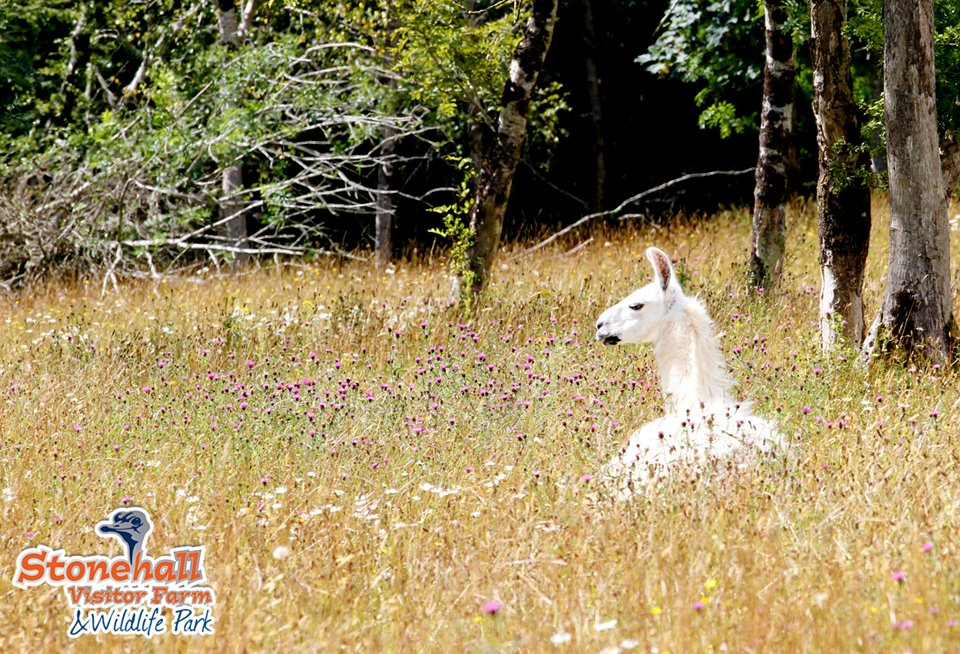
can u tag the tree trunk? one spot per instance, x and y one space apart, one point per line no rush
233 225
246 21
769 233
596 105
227 21
843 189
386 210
916 316
495 176
950 153
79 52
479 126
383 247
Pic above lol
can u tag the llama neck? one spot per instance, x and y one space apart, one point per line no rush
692 370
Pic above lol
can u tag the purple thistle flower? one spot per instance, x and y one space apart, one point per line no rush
492 607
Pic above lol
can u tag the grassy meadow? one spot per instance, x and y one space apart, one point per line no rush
371 471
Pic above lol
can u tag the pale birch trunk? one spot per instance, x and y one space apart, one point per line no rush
500 158
246 20
916 316
843 190
769 230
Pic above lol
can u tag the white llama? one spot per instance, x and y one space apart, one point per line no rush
703 425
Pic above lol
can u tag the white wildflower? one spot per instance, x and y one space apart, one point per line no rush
561 638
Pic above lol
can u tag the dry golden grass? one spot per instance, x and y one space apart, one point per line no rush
414 484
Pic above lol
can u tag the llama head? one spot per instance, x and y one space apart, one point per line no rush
641 316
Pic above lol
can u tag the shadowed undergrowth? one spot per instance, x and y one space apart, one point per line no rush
430 474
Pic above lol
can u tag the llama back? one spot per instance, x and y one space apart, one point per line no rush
690 445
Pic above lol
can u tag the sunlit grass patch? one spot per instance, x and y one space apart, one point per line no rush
371 471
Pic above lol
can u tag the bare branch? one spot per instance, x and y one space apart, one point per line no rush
623 205
148 56
536 173
209 247
110 95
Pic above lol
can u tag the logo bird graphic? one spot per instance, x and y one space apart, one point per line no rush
129 526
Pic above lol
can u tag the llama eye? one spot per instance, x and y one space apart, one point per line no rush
636 307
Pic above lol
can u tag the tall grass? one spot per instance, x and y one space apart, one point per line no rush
430 475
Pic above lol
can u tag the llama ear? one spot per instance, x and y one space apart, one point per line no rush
661 267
